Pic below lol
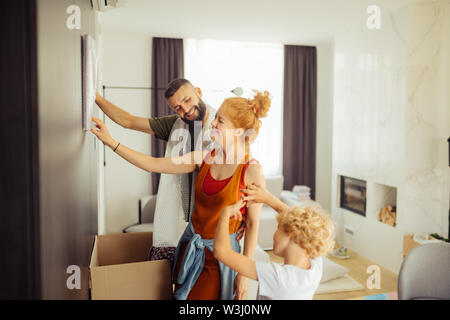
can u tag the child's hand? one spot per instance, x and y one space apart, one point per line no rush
234 211
256 194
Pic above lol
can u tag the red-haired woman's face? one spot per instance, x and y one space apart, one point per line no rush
222 129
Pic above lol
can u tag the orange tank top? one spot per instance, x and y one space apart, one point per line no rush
208 207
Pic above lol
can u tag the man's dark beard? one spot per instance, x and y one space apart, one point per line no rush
201 107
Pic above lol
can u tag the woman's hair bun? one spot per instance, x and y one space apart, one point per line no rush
261 103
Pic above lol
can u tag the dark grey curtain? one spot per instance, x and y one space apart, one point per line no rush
299 116
167 64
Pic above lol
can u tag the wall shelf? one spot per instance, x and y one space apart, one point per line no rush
381 197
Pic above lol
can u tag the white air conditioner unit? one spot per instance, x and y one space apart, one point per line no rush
105 5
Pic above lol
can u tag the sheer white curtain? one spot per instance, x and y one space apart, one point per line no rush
217 67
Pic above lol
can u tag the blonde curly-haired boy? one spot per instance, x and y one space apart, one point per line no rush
303 236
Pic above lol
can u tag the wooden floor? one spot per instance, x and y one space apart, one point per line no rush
358 266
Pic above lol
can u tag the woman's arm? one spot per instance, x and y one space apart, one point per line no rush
253 175
222 248
183 164
178 165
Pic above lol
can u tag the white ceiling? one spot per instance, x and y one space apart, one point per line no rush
286 21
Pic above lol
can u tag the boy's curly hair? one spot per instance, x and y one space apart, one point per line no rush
310 228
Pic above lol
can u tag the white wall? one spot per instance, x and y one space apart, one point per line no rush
67 174
324 136
101 213
390 126
428 118
126 62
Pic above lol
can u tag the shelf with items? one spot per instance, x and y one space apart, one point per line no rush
383 204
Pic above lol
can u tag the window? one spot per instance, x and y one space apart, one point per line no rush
217 67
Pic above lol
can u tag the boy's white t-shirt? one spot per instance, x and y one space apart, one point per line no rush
288 282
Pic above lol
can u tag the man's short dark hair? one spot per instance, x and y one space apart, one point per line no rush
174 85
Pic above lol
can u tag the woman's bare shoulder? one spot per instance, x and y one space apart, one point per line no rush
254 174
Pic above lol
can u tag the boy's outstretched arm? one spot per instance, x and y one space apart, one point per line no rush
258 194
222 248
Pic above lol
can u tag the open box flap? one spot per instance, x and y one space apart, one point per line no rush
124 248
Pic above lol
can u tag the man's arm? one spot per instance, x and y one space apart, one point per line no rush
123 118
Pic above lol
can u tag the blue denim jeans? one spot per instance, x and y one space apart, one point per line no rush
193 261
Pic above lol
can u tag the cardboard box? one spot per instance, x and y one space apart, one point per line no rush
119 269
409 243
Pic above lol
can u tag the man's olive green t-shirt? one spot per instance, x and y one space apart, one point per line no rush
162 126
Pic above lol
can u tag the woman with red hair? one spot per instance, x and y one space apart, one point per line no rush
223 172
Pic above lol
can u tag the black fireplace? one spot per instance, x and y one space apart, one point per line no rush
353 195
